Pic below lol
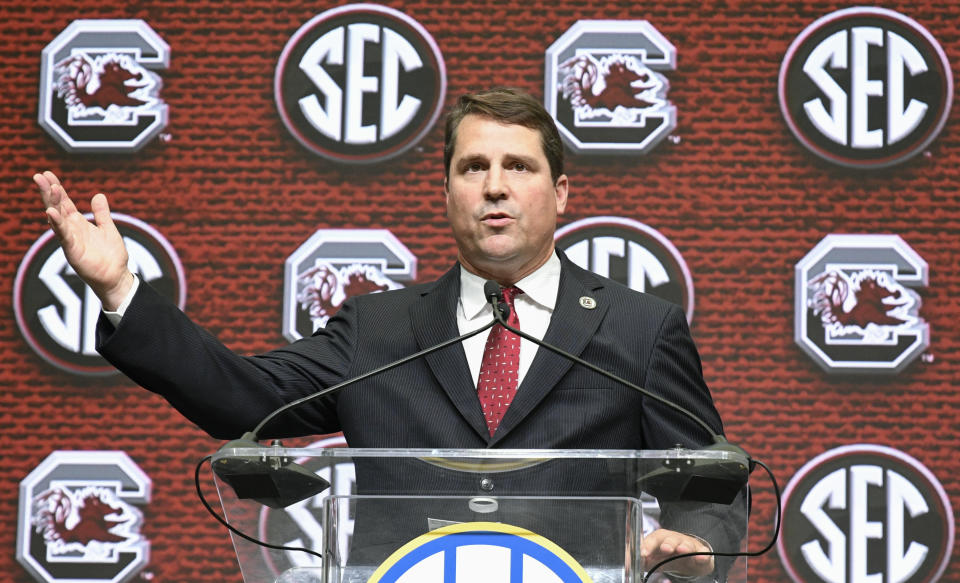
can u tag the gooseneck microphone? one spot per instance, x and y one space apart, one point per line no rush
706 480
277 481
494 294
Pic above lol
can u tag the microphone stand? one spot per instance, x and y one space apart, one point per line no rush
277 481
707 480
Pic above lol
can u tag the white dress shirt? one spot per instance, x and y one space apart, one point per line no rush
114 317
534 308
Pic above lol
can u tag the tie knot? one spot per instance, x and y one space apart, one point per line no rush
511 292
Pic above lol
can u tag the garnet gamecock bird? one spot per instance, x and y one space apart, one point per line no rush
104 82
608 83
82 518
325 288
862 302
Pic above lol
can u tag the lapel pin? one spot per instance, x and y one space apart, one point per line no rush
588 302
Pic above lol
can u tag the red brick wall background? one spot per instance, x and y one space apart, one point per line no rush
235 194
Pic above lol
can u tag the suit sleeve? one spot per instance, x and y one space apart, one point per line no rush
675 373
157 346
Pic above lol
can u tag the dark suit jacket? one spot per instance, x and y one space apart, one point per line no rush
432 402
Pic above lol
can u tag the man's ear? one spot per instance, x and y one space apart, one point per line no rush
561 188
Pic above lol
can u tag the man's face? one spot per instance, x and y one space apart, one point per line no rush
501 201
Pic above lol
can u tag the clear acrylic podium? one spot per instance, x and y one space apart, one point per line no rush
590 508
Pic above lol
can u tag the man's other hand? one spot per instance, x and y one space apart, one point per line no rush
662 544
94 250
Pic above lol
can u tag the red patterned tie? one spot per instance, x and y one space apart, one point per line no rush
500 367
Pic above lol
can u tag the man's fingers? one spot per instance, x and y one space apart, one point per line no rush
101 210
681 545
53 219
63 233
664 543
63 203
46 181
44 185
51 177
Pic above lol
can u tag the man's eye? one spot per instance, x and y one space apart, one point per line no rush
475 167
520 167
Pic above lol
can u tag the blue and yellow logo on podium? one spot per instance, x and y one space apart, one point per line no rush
480 551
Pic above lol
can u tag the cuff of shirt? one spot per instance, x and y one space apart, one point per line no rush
115 317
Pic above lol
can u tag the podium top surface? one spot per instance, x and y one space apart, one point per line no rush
652 455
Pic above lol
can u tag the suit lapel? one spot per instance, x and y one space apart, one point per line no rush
433 319
571 327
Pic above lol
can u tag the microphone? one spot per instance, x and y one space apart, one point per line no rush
494 295
705 480
277 481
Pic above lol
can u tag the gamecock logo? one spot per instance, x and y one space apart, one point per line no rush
86 521
94 85
98 88
615 87
864 301
323 288
335 264
856 309
605 88
78 521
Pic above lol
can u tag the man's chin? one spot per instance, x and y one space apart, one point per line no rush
503 263
500 252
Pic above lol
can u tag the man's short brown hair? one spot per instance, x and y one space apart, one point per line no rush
509 106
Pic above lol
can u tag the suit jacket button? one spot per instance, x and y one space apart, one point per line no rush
486 484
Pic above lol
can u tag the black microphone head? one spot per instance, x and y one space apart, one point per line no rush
271 480
494 294
492 291
701 479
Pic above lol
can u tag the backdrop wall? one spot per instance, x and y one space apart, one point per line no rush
235 194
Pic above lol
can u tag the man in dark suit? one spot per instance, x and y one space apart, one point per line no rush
504 187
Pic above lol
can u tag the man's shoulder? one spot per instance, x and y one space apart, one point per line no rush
401 295
616 291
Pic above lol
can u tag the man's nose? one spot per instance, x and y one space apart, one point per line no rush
495 184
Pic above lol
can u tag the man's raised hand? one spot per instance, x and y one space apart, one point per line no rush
94 250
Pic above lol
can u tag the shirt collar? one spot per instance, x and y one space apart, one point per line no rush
540 287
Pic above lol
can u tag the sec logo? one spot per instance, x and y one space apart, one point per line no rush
360 83
856 305
99 90
865 87
864 513
57 313
631 253
480 551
